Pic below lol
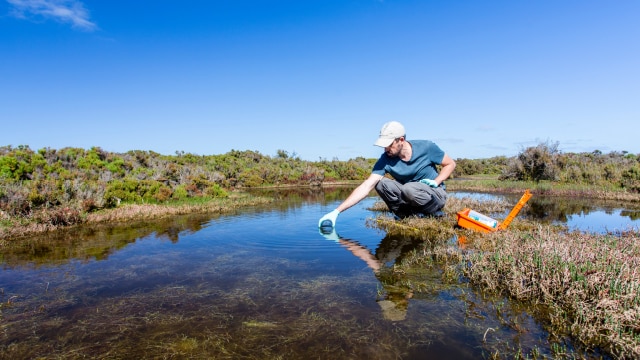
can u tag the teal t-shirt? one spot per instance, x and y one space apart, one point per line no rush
422 165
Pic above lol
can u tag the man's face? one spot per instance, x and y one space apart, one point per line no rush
394 149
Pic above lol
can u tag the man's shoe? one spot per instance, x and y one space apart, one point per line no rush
400 215
438 214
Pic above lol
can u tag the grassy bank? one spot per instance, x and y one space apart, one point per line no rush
588 284
43 221
491 183
50 219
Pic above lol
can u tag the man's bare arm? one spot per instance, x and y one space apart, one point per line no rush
360 192
448 165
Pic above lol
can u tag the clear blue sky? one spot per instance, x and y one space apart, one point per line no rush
319 77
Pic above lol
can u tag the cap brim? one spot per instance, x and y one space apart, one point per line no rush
383 142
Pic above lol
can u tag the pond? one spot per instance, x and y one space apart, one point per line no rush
263 283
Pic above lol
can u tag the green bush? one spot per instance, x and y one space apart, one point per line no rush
122 190
250 178
216 191
8 167
116 166
631 179
90 160
180 192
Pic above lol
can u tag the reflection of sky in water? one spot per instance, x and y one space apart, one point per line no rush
601 221
476 195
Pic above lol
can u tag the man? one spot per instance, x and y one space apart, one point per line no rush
416 188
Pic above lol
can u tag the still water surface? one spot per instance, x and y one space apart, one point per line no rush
263 283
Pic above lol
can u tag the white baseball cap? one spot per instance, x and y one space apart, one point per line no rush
389 132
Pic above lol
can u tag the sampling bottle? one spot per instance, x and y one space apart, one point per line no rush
492 223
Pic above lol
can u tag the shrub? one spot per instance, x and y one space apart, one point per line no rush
180 192
8 166
163 193
45 193
92 159
14 199
59 217
216 191
88 205
122 190
631 179
534 164
116 166
250 178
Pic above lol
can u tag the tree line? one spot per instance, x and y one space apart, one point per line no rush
72 181
85 180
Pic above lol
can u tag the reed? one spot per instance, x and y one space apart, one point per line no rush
589 282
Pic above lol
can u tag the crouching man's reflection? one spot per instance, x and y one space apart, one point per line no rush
395 297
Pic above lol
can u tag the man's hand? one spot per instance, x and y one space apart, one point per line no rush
330 217
429 182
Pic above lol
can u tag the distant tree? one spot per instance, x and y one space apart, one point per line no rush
282 154
534 163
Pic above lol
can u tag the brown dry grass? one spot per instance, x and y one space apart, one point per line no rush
590 282
134 212
430 228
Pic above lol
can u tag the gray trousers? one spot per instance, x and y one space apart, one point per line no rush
411 198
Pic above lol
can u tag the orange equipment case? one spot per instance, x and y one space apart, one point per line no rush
468 223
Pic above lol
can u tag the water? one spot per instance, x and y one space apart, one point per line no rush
261 284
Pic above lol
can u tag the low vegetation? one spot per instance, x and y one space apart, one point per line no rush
60 187
589 283
582 285
52 188
49 188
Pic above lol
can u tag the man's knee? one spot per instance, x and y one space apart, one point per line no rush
416 194
386 187
384 183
